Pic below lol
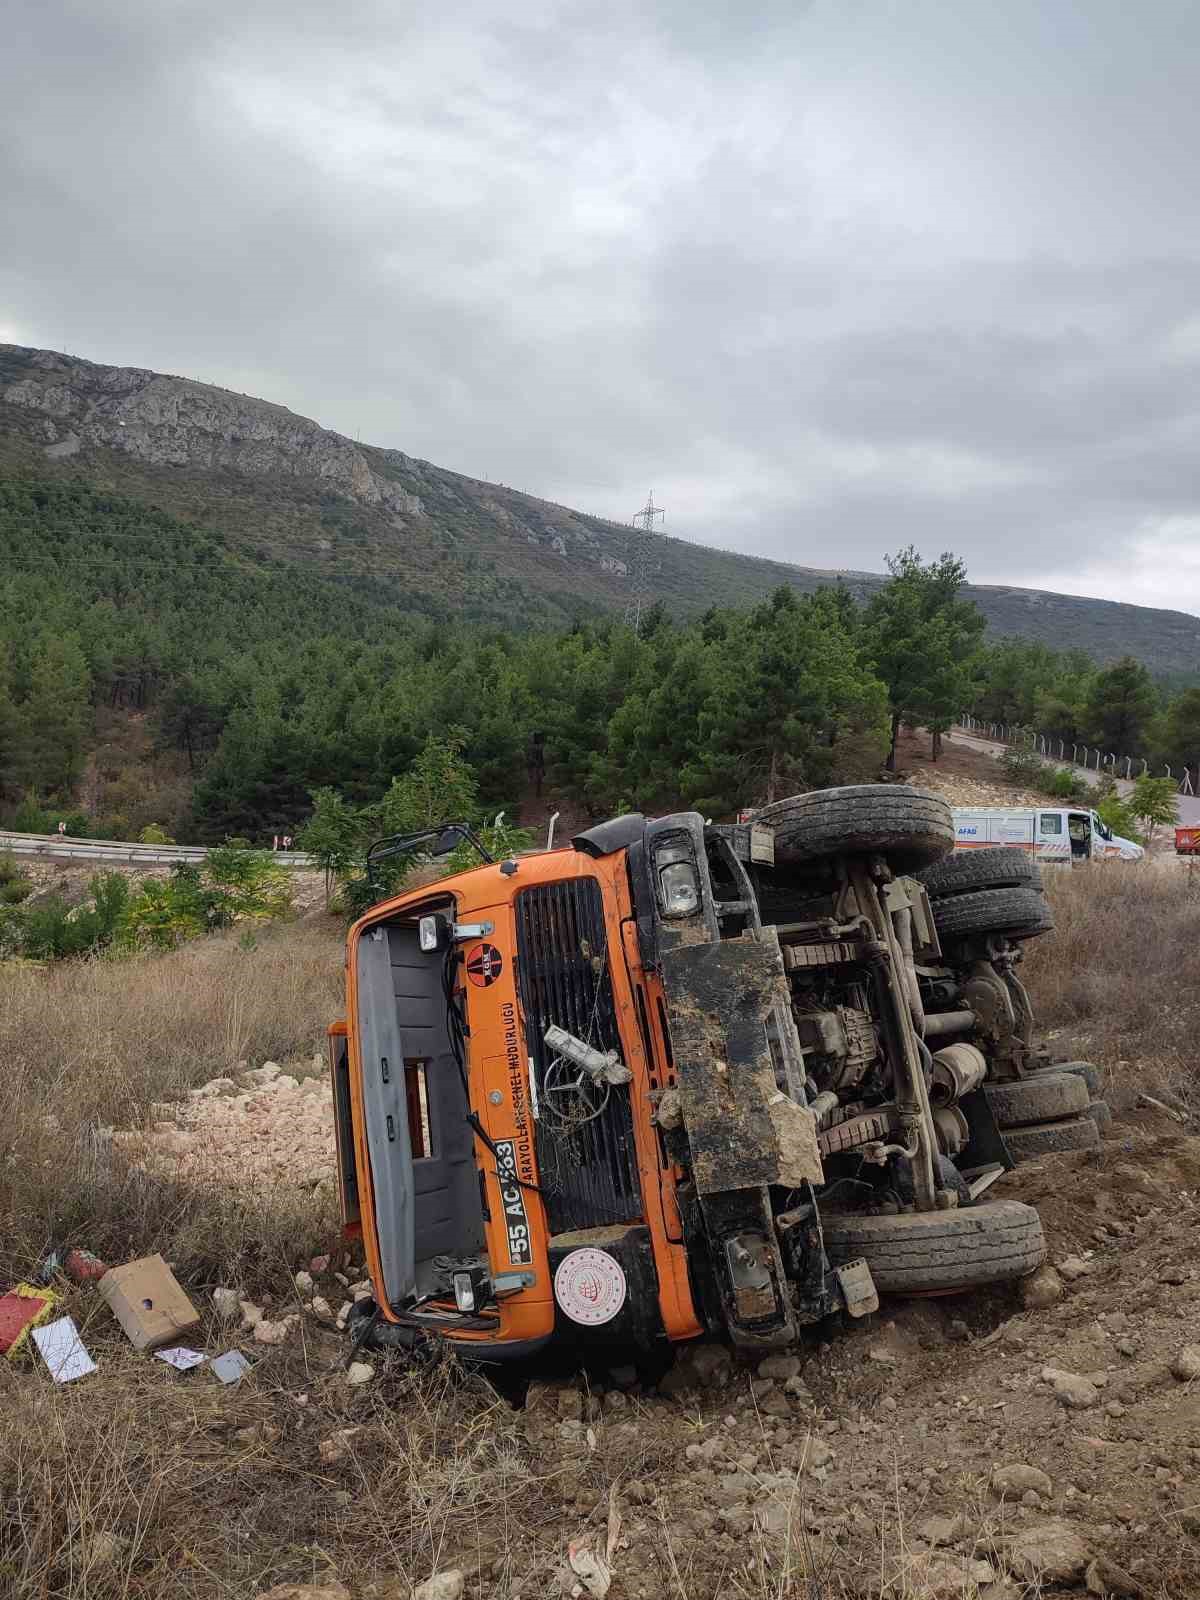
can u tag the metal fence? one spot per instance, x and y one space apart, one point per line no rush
1086 757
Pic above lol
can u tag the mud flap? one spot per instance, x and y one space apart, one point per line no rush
985 1145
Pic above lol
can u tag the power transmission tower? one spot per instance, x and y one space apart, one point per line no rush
641 545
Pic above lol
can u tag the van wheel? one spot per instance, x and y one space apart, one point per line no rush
1051 1138
1016 913
908 827
996 868
1039 1098
963 1248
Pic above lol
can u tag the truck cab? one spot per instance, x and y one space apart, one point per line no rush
590 1092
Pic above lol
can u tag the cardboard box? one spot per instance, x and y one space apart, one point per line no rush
147 1301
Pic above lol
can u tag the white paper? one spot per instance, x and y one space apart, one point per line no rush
62 1350
231 1366
180 1357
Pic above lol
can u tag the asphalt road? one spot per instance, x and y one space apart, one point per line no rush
1189 805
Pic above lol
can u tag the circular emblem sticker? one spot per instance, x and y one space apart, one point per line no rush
484 965
590 1286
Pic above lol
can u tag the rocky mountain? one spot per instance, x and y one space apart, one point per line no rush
287 487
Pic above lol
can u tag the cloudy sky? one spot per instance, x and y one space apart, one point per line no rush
830 277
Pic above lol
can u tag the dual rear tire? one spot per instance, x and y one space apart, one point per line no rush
1050 1112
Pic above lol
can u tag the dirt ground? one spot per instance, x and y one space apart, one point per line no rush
964 777
874 1470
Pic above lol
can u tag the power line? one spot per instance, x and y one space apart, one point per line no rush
641 545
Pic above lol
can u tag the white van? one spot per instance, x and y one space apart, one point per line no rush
1064 835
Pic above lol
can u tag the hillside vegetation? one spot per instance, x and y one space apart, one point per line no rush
281 486
155 672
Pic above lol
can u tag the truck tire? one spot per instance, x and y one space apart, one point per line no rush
1042 1097
963 1248
998 867
1016 913
1051 1138
908 827
1090 1074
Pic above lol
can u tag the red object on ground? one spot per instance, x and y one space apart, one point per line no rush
20 1310
81 1266
1187 841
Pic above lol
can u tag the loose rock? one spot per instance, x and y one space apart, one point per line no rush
1071 1390
1019 1478
779 1366
1043 1289
1105 1577
1048 1552
446 1585
1185 1363
1074 1267
226 1304
359 1372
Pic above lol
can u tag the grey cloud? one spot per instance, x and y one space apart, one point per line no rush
831 277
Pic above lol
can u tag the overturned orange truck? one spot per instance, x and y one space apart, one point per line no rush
671 1078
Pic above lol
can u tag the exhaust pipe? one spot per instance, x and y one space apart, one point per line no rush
957 1071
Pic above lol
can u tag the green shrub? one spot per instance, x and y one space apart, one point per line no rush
51 930
254 885
1023 766
153 833
1065 784
14 885
163 914
1118 815
30 817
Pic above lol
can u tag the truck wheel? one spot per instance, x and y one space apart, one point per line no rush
998 868
1039 1098
1051 1138
1016 913
907 826
957 1249
1090 1074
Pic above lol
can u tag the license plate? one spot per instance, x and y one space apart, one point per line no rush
513 1200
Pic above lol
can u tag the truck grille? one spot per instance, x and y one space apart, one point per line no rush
587 1169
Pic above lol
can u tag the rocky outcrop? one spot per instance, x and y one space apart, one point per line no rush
176 422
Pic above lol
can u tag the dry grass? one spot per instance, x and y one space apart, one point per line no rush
1121 975
139 1482
91 1046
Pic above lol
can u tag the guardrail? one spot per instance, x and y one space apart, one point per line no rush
55 847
